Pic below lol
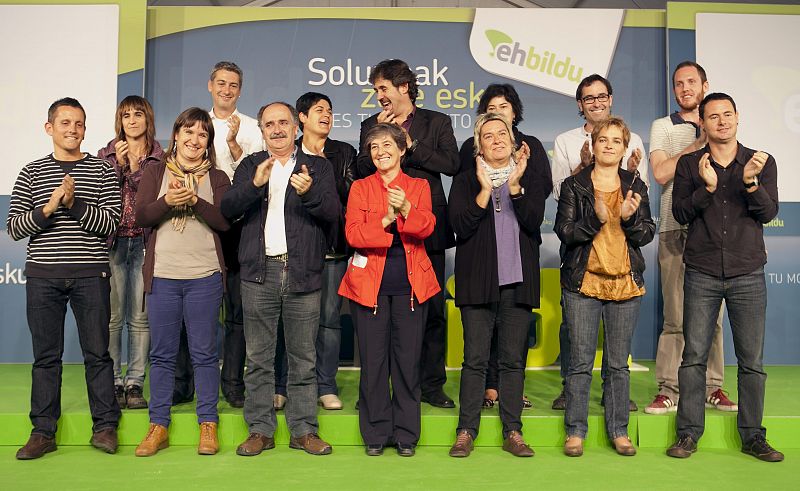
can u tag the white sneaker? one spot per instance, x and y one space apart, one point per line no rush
278 402
330 402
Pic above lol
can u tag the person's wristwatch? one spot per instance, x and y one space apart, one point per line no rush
752 184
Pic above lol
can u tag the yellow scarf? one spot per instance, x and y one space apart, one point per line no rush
189 177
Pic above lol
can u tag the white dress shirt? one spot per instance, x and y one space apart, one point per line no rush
567 155
249 138
275 225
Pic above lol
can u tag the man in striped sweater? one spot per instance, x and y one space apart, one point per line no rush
68 203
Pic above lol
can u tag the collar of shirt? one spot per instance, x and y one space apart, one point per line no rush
677 119
740 158
409 119
214 116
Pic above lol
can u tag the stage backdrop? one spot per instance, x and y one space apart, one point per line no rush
455 52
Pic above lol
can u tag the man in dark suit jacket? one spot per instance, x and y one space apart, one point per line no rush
432 151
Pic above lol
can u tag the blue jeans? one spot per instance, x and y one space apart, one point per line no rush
46 309
127 307
170 304
583 316
565 347
329 338
746 300
264 304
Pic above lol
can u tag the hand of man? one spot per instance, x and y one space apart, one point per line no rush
54 202
635 160
630 205
263 172
233 128
301 182
386 116
754 166
707 173
68 184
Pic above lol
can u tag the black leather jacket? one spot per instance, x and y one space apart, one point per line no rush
577 224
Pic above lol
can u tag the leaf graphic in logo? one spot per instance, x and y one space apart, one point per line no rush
497 37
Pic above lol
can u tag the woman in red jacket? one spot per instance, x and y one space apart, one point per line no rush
388 281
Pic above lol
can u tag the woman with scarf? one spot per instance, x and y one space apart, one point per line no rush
603 220
496 208
134 149
178 202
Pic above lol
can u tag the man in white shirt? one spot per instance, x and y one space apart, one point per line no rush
670 138
283 198
573 153
236 136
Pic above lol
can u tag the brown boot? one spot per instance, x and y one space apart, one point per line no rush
209 445
623 446
37 446
463 445
311 443
157 438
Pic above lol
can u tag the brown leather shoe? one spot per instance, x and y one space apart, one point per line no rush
105 440
36 446
311 443
209 445
573 447
255 444
157 438
463 445
516 446
623 446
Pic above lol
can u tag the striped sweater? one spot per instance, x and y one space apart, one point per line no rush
70 243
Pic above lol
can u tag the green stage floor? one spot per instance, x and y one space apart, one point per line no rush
718 463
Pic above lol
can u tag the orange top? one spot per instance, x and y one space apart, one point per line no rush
608 271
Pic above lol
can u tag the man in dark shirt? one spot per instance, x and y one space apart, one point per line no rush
431 152
725 192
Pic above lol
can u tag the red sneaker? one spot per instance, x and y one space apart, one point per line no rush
719 400
661 405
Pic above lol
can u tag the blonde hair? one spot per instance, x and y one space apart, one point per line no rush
481 121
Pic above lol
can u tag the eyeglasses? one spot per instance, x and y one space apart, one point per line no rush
589 99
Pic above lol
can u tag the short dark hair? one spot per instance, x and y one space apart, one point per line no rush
398 73
380 129
64 102
228 66
587 81
507 92
715 96
288 106
307 101
700 70
189 118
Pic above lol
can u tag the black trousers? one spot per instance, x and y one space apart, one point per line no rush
234 349
389 344
511 321
435 343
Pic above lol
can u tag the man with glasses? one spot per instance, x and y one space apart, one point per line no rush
573 153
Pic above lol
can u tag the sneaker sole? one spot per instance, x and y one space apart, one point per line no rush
763 459
727 409
660 410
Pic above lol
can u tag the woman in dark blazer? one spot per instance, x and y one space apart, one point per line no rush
496 208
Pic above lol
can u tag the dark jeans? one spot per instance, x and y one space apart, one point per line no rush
170 304
389 345
47 300
234 350
583 316
434 346
329 336
511 321
264 305
745 298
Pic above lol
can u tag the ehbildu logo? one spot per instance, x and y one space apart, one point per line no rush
505 49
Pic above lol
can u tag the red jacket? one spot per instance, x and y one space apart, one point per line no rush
366 207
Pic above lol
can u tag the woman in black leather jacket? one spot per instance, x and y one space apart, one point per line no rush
603 219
